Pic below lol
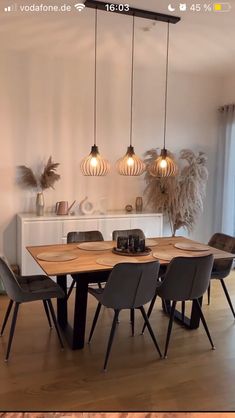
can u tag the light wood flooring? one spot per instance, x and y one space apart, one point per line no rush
41 377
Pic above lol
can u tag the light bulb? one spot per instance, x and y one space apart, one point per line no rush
130 162
163 163
94 162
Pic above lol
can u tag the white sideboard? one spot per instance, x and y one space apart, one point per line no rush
51 229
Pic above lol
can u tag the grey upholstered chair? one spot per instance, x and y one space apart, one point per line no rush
129 286
126 232
185 279
222 268
82 236
28 289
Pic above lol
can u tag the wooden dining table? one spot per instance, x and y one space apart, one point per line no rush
86 269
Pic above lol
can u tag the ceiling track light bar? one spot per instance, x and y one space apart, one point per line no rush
146 14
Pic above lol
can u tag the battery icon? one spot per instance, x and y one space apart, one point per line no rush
222 7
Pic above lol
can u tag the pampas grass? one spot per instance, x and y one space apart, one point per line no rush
29 180
180 197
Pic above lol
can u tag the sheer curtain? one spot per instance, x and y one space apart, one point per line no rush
225 173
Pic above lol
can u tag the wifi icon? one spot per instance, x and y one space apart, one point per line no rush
79 6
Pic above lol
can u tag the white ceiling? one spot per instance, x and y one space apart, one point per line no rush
200 43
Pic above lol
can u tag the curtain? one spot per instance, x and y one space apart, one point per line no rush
225 173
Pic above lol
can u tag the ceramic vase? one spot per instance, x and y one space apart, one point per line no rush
40 204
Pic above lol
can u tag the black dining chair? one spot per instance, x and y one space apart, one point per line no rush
125 233
82 236
221 268
185 279
129 286
24 289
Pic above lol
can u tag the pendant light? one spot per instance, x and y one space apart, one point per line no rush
94 164
131 164
164 166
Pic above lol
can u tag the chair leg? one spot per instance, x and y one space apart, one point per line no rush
149 312
150 330
97 312
228 297
13 324
209 295
204 323
100 285
47 312
172 314
55 321
183 310
6 316
110 342
132 319
71 288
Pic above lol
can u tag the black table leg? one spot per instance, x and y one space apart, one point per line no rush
62 309
190 323
80 308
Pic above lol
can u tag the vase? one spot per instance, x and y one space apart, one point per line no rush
139 204
40 204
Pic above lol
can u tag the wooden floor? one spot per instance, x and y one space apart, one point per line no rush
41 377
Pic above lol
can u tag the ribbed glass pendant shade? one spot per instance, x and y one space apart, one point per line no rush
163 166
130 164
94 164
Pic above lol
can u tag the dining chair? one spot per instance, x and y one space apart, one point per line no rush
221 268
24 289
185 279
129 286
125 233
82 236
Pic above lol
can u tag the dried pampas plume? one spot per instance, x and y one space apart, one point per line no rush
28 180
180 197
49 175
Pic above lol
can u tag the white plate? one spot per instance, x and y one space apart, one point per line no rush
96 246
56 256
186 246
111 261
151 242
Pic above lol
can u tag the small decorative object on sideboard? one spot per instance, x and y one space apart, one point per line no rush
63 208
29 180
86 207
139 204
129 208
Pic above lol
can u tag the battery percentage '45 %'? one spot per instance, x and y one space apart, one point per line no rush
209 7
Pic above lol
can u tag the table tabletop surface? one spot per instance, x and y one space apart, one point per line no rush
86 260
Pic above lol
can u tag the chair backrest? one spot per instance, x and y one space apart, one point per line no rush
131 285
225 243
10 282
84 236
186 278
127 232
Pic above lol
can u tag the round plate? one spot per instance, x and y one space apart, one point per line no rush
57 256
95 246
151 242
191 247
147 251
163 255
111 261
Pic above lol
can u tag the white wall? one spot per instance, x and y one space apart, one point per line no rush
46 109
228 90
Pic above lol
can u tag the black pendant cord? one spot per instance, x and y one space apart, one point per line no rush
166 82
132 79
95 76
